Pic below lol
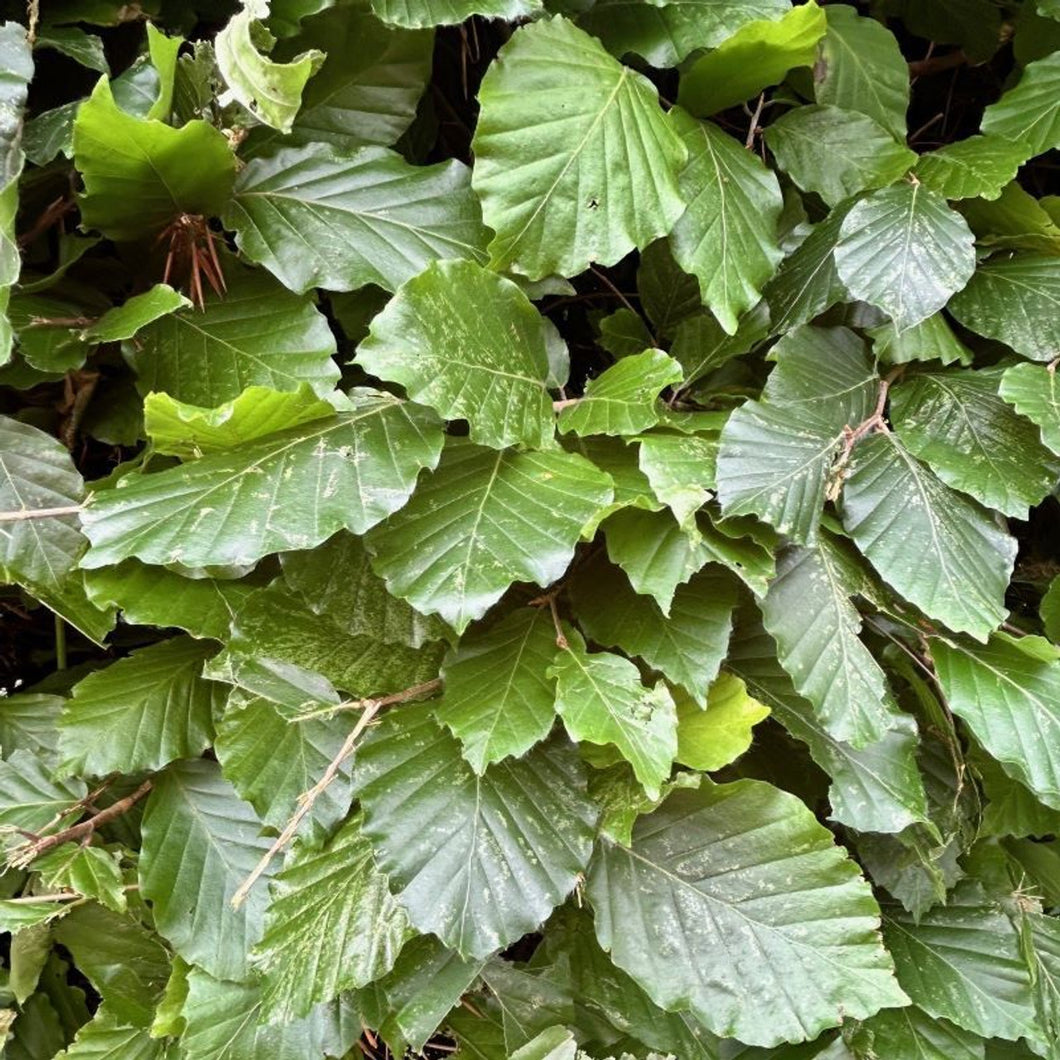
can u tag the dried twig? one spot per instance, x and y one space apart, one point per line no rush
39 513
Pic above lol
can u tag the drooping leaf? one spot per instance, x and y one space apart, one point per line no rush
210 511
199 843
1027 112
559 119
836 153
140 174
141 712
271 91
709 868
756 56
1016 220
624 399
483 520
316 219
331 925
809 612
945 554
727 237
904 250
956 422
776 452
124 321
498 701
1032 390
712 738
515 837
1008 298
258 334
470 344
978 167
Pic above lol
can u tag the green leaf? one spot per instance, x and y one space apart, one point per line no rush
666 33
154 596
315 219
210 510
836 153
331 926
758 55
941 550
84 48
776 452
713 738
681 470
140 174
861 68
809 612
1016 220
124 321
1008 298
875 789
50 134
1006 692
667 293
449 12
687 646
258 334
199 843
962 963
483 520
1011 809
910 1034
727 237
529 1003
1032 390
271 91
498 701
470 344
558 114
29 797
16 916
977 167
1027 112
601 700
515 838
957 424
105 1038
743 861
624 333
702 345
91 871
36 472
930 340
141 712
624 399
189 431
905 251
28 723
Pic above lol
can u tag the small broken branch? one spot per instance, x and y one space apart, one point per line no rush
39 513
404 696
852 435
937 63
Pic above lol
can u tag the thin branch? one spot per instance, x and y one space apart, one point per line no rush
44 899
875 422
606 280
752 129
566 403
23 855
549 599
936 63
383 701
39 513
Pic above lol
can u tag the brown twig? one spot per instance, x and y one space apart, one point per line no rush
752 129
23 855
39 513
559 406
606 281
875 422
934 64
424 689
549 599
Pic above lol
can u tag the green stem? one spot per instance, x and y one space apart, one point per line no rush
60 644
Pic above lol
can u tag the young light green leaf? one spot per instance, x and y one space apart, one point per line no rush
601 700
712 865
713 738
905 251
1008 693
515 837
91 871
687 646
836 153
977 167
141 712
316 219
199 843
1008 298
418 13
271 91
962 963
558 115
210 511
809 612
140 174
727 237
861 68
775 453
483 520
258 334
498 701
941 550
1032 390
331 925
956 423
624 399
666 33
471 345
124 321
1027 112
755 57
